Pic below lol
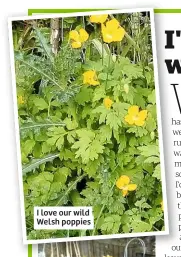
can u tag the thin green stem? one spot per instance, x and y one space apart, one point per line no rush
68 234
62 32
156 228
49 106
102 52
70 188
108 67
21 39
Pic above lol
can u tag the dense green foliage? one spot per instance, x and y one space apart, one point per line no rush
73 148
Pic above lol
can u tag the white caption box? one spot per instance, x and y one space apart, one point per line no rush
75 218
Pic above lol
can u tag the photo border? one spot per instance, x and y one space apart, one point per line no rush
73 14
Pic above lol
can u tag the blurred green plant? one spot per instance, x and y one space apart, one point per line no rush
75 140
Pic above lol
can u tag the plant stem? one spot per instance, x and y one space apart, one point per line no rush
102 52
108 67
62 34
49 106
156 228
70 188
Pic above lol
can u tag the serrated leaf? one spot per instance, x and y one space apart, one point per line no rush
138 131
65 95
28 146
105 133
129 69
157 172
152 97
142 204
88 146
113 120
99 93
61 175
35 163
40 103
149 150
38 66
84 96
43 41
140 226
92 65
70 124
103 76
153 159
150 123
111 224
34 125
103 113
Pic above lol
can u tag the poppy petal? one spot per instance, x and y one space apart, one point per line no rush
133 110
139 122
132 187
112 24
83 35
129 119
119 34
143 114
98 18
74 35
124 192
76 44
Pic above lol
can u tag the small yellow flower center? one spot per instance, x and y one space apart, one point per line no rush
124 188
135 117
109 36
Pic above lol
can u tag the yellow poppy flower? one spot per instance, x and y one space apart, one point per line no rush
76 44
123 183
108 102
90 78
112 31
98 18
136 117
21 99
162 205
78 37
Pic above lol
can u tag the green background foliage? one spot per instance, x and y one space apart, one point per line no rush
73 148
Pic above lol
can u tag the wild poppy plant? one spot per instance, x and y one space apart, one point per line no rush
88 124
